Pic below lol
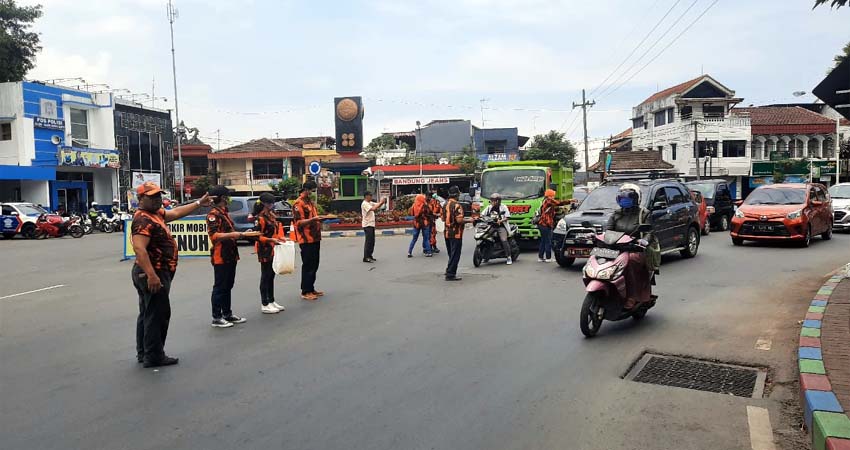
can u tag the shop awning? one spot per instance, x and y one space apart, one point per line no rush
34 173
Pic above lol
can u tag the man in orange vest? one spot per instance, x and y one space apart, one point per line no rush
455 223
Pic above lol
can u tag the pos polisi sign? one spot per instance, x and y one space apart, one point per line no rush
191 236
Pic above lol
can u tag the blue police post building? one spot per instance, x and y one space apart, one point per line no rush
57 146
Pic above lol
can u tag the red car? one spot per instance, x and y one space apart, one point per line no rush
705 212
793 211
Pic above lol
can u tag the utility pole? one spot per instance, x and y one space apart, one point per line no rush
696 146
837 151
583 105
483 101
172 16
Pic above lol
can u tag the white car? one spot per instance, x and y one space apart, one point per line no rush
840 194
19 218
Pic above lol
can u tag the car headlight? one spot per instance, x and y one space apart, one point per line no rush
795 214
739 214
561 227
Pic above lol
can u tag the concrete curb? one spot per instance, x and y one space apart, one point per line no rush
361 233
826 421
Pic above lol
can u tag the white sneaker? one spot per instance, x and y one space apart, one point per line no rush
541 260
269 309
510 261
547 260
278 306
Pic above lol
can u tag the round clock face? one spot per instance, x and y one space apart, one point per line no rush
347 110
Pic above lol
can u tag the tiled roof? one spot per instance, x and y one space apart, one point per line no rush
786 120
677 89
261 145
624 134
634 160
311 141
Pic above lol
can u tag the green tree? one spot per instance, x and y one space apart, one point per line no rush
202 185
18 45
841 57
835 3
466 160
384 142
287 189
552 145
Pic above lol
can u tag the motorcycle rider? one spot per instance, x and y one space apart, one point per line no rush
93 213
628 219
500 213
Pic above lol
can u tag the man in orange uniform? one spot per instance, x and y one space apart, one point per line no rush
156 263
307 224
271 234
455 223
224 256
436 211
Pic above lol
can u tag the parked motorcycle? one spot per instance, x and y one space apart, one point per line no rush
84 222
104 223
488 246
50 225
616 279
121 217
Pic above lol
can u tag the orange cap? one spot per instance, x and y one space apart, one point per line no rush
148 188
549 193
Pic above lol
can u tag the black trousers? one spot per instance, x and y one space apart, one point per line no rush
154 314
453 246
225 276
266 283
369 246
309 266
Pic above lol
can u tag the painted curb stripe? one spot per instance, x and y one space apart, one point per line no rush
829 424
810 353
812 324
806 341
817 309
810 332
812 366
819 303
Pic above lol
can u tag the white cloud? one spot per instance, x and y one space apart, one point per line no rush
112 27
52 64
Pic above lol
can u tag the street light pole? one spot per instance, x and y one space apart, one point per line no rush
172 15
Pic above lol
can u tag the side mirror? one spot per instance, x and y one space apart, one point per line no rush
586 224
659 205
739 202
645 228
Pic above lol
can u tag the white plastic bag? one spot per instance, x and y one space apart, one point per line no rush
284 258
440 225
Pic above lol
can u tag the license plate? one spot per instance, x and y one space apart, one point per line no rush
762 227
578 252
605 253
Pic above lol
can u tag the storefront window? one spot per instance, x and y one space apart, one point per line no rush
79 128
268 168
352 186
5 131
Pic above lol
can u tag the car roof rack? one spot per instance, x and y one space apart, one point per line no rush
649 175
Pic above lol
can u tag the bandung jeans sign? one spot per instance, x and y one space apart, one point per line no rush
420 180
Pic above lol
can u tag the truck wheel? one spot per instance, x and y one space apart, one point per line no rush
692 243
562 260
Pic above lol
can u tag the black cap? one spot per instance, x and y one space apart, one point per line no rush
454 191
267 197
367 193
309 186
219 191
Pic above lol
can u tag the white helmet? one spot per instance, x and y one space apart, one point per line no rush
94 203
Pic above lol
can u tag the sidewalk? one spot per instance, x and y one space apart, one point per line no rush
824 361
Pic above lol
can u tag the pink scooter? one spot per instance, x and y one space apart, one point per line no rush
617 281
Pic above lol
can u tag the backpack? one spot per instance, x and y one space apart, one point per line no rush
536 219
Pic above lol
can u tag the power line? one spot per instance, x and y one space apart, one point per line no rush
649 49
637 46
665 47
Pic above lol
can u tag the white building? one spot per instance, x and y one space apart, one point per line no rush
57 146
699 110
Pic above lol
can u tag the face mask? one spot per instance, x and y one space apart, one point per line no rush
625 202
313 197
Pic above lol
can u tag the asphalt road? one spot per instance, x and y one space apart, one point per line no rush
393 357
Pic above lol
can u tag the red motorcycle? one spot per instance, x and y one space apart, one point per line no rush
52 225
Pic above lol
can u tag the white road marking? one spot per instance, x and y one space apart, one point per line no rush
761 433
763 344
32 292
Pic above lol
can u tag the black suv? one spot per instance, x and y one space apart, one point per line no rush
673 215
717 196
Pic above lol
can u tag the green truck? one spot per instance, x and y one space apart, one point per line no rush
522 184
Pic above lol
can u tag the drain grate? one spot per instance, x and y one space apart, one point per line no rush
699 375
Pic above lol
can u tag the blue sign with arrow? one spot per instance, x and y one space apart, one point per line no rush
315 168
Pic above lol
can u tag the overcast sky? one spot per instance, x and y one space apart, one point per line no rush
257 68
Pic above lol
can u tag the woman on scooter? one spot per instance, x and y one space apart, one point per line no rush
628 220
